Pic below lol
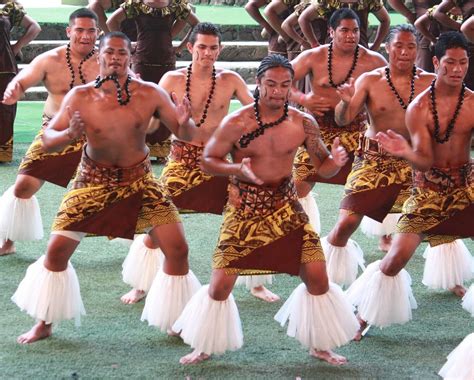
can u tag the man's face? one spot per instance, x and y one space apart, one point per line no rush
275 86
205 50
114 57
452 67
402 50
82 34
347 35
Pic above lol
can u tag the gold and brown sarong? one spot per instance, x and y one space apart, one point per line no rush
265 230
441 203
378 183
56 167
190 188
304 170
115 202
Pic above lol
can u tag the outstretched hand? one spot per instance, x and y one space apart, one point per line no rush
393 143
183 108
76 127
246 173
346 90
12 93
339 154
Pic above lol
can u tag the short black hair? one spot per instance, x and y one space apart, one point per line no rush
115 34
450 40
83 13
274 60
342 14
399 29
205 28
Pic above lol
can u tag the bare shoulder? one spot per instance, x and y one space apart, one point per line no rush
173 78
229 76
371 58
371 77
421 103
312 56
425 77
304 119
50 57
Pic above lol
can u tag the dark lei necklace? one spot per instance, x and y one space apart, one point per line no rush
71 69
209 98
394 90
354 64
99 82
449 130
247 138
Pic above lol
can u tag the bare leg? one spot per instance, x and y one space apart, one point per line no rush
219 289
363 328
303 188
25 187
264 294
59 251
7 248
385 242
345 226
403 248
316 280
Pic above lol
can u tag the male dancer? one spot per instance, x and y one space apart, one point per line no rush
114 176
264 228
440 124
329 66
60 70
190 188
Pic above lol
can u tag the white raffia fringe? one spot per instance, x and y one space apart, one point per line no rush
460 363
372 228
382 300
322 322
468 300
167 298
311 209
210 326
342 262
141 264
251 282
20 219
50 296
447 265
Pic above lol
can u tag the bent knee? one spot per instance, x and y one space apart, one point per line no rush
26 187
219 292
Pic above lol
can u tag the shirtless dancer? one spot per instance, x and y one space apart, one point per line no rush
329 66
114 176
190 188
441 126
60 70
265 229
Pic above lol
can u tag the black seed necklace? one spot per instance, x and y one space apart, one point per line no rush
247 138
394 90
209 98
71 68
354 64
452 122
99 82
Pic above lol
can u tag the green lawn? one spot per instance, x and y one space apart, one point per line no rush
217 14
113 343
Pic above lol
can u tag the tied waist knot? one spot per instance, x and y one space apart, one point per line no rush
444 179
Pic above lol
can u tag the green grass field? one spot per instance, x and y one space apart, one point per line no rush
221 15
113 343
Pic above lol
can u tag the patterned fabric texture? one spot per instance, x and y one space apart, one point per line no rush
115 202
326 7
14 11
265 230
180 8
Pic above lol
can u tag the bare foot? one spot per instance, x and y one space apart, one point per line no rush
264 294
328 356
172 333
458 290
194 358
133 296
7 248
385 242
39 331
363 329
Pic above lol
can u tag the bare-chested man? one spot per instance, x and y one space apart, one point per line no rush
376 179
60 70
264 228
440 124
209 91
329 66
114 176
